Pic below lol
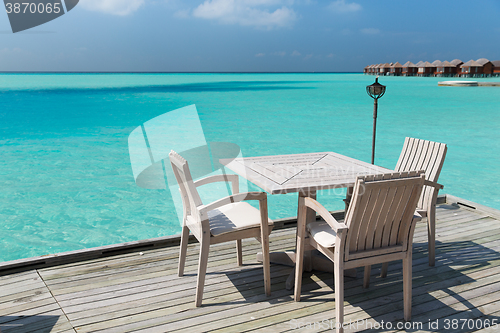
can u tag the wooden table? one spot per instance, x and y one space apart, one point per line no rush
306 174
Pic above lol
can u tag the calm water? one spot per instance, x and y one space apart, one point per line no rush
65 176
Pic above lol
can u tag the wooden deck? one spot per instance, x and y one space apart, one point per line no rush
140 292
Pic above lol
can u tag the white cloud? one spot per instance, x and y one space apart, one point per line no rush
370 31
309 56
114 7
340 6
295 53
258 55
256 13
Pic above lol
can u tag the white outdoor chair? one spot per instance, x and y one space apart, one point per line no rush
378 228
429 156
226 219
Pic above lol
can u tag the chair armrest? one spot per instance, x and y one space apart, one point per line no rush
433 184
232 199
325 214
233 179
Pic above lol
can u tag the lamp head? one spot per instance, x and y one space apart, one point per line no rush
375 90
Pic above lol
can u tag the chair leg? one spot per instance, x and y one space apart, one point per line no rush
183 250
407 286
239 255
264 241
310 217
202 267
431 231
299 254
266 262
366 279
383 270
338 275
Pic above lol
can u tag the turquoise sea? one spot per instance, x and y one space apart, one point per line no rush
65 176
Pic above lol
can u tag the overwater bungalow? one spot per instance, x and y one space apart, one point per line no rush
445 68
457 63
426 69
436 64
372 69
487 69
496 67
384 69
471 69
366 70
409 69
396 69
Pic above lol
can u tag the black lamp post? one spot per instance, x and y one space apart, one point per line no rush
375 90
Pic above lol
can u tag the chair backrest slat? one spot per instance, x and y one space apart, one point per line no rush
389 217
423 155
382 210
190 196
409 211
375 232
406 156
354 214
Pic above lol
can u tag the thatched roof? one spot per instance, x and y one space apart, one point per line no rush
420 63
472 63
456 62
496 63
426 64
482 61
386 65
447 64
409 64
437 63
397 64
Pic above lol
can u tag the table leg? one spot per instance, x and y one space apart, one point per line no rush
287 258
313 259
310 217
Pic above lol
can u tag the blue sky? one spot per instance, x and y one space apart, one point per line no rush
252 35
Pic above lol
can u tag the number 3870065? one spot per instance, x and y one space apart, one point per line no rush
31 7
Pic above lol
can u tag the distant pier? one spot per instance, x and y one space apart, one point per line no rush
468 84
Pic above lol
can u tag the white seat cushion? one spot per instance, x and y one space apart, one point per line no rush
322 233
232 217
